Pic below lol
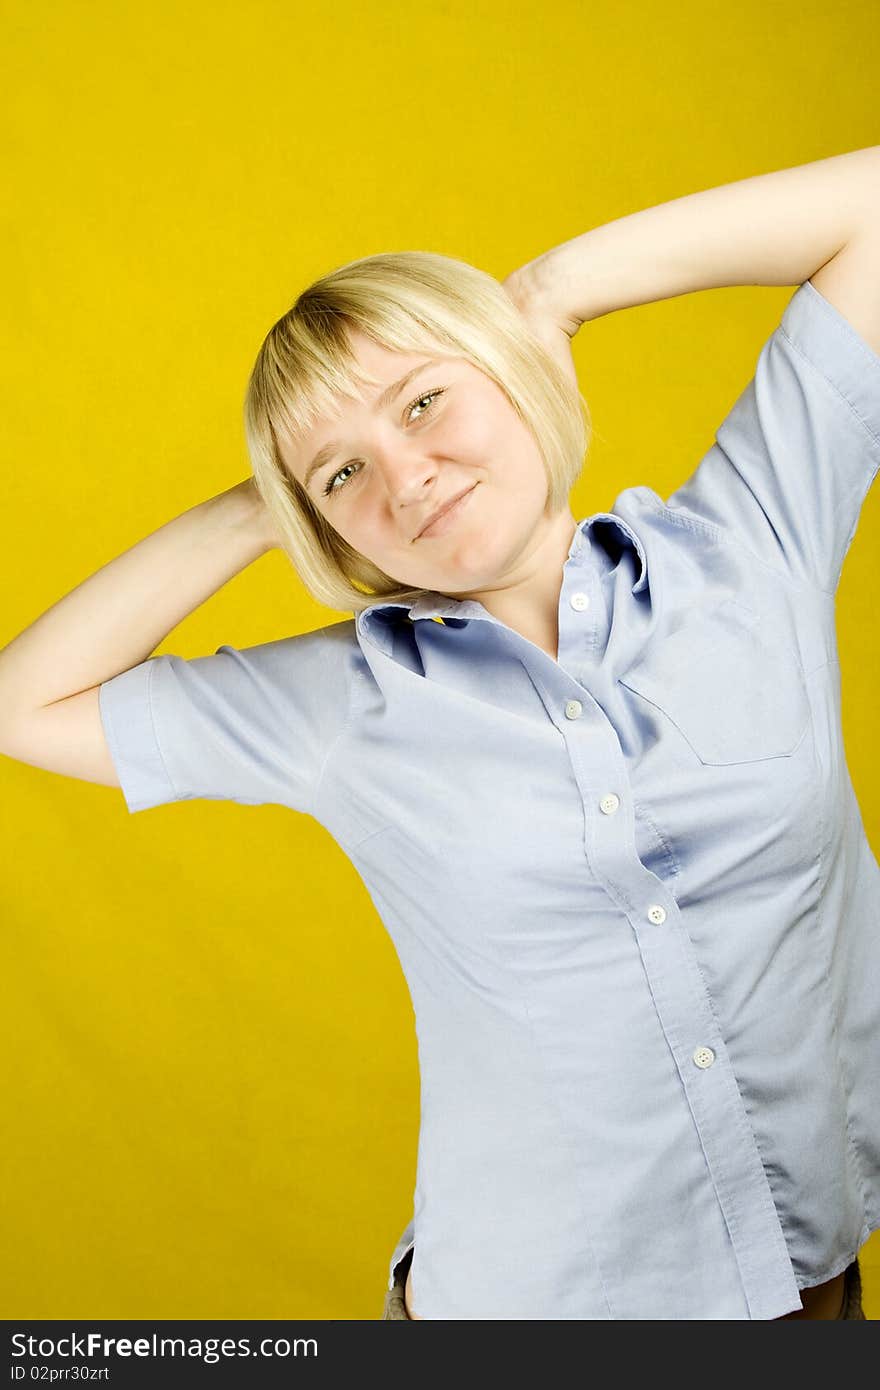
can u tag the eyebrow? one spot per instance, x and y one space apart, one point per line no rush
325 455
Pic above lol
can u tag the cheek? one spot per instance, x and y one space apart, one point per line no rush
477 433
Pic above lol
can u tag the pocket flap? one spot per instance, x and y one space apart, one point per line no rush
735 693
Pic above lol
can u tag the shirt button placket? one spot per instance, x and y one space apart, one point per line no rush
702 1057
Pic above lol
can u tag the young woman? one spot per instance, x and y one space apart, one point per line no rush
591 772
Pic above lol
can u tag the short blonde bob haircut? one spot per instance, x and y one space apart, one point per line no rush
406 301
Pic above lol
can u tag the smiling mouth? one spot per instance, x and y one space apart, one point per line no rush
446 512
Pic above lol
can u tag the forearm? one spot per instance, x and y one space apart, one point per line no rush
772 229
118 616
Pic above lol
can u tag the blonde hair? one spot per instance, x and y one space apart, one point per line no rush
406 301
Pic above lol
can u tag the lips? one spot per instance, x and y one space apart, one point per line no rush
445 507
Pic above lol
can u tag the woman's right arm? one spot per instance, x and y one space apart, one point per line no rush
51 672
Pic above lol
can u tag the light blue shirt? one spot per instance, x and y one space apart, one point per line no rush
630 889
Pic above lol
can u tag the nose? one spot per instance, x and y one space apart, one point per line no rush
407 473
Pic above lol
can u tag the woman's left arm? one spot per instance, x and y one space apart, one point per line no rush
772 229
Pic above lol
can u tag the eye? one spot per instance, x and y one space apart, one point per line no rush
330 489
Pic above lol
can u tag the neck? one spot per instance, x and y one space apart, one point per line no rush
530 606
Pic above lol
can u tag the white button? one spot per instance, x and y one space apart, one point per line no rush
704 1057
609 803
656 913
580 601
573 709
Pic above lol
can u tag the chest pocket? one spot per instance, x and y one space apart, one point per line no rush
735 692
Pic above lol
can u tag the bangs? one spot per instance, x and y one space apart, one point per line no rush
308 376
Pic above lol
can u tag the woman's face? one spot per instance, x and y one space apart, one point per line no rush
390 464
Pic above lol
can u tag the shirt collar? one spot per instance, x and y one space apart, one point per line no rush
434 605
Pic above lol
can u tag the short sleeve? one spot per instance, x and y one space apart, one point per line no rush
252 725
795 457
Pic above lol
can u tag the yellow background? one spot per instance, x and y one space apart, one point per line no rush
209 1043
